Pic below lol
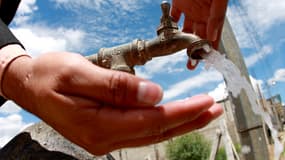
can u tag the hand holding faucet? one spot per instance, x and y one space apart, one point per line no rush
169 40
204 18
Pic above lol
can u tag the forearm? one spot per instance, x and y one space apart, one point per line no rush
14 73
7 11
7 39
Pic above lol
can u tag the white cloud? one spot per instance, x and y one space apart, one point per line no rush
131 4
279 76
127 5
251 21
192 83
10 126
254 58
219 93
109 22
237 23
80 3
164 64
9 108
39 39
11 122
25 11
27 7
265 14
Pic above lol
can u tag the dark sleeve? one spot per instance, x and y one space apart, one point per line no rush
2 101
8 9
6 36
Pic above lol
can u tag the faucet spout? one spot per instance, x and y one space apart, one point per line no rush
169 41
162 46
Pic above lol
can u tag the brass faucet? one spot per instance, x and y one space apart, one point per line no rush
169 41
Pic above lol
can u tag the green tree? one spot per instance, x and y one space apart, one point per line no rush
221 155
189 147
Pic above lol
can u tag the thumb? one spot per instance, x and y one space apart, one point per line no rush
126 89
115 88
214 31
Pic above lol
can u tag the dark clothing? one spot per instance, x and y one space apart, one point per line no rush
8 9
7 12
6 36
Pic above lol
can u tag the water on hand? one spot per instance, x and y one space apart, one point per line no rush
235 83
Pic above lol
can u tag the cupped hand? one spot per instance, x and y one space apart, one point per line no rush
204 18
99 109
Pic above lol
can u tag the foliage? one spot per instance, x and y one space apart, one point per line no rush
189 147
238 148
221 155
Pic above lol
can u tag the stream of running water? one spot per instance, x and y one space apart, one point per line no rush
235 83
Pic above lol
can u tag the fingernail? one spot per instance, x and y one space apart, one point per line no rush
149 93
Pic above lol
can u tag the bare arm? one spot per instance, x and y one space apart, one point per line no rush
100 110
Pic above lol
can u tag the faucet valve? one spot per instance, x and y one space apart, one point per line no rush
166 21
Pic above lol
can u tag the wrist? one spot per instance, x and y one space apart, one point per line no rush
14 64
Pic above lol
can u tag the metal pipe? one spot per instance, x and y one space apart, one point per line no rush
169 41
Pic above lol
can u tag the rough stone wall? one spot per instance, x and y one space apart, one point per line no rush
41 142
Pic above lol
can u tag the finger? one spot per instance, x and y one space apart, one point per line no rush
175 12
123 88
111 87
154 121
202 3
218 8
216 43
188 25
213 27
204 119
68 105
141 122
214 31
145 122
216 19
199 29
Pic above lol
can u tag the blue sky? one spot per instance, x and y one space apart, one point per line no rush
85 26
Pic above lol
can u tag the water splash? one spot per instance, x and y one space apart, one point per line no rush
235 83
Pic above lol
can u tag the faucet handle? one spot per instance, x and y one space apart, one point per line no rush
166 21
165 7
